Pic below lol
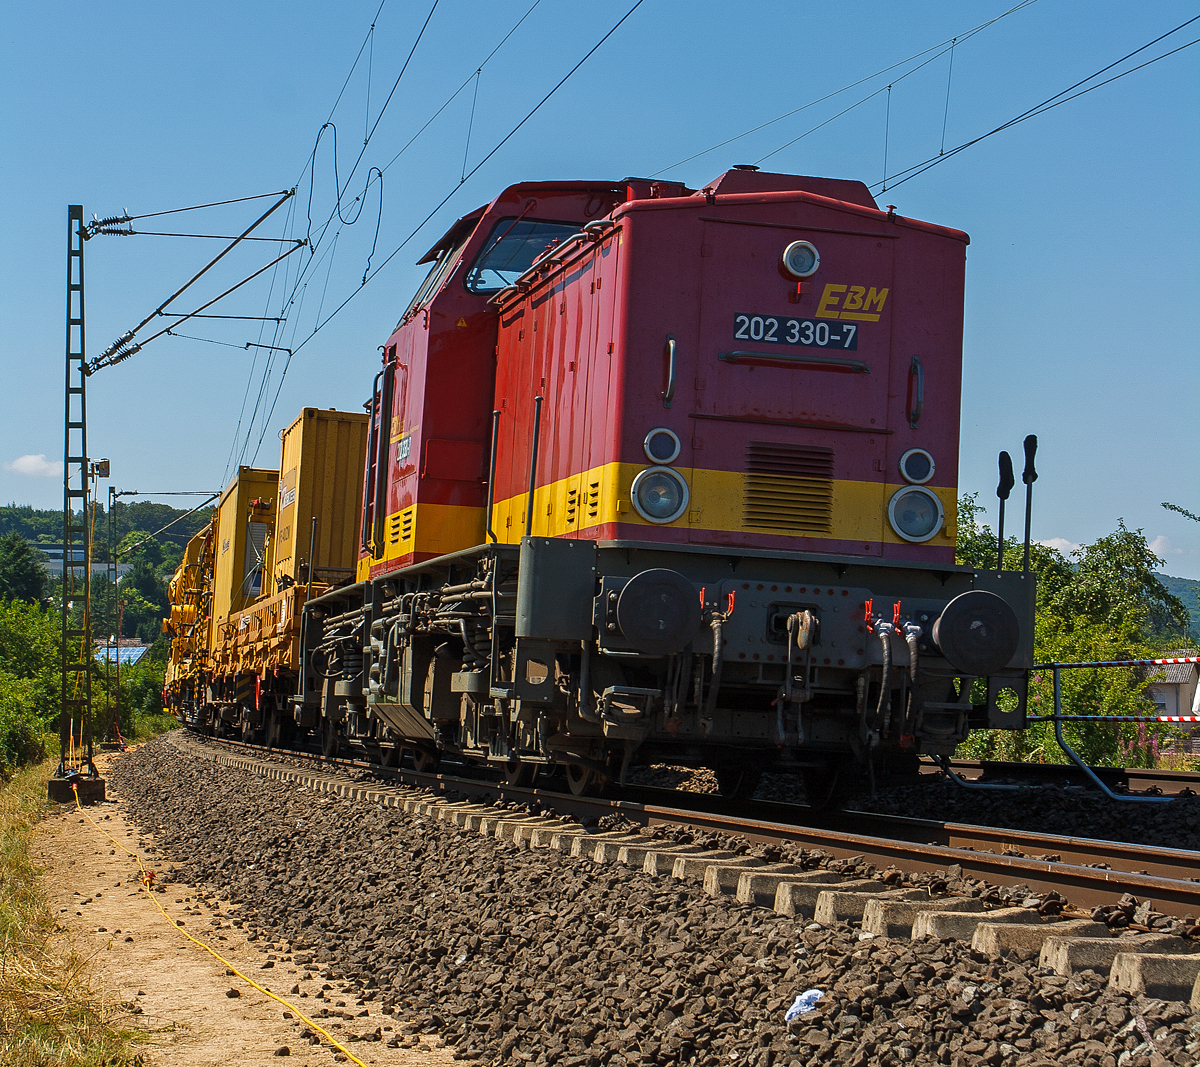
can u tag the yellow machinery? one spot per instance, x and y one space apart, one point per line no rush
278 537
188 627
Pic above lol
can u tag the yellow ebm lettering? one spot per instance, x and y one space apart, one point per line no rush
854 298
876 297
827 308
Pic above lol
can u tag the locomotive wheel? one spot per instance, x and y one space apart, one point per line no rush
248 732
426 761
825 787
331 738
738 783
583 781
519 774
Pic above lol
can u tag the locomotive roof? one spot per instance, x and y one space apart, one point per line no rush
731 182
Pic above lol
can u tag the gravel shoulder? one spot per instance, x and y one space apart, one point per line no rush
166 987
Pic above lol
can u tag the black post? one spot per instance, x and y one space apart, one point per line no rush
312 557
1007 481
1029 476
533 451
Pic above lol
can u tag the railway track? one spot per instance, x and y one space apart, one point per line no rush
1086 872
1119 779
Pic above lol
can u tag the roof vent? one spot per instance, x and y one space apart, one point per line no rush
744 166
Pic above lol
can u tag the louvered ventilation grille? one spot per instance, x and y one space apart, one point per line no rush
572 506
789 489
593 500
394 530
406 524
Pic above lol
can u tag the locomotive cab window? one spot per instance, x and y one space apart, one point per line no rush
511 249
443 261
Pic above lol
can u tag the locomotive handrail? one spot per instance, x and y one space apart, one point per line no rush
550 260
669 392
554 253
855 366
914 415
1058 718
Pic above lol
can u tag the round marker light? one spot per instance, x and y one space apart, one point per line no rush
917 466
915 513
659 494
801 259
661 445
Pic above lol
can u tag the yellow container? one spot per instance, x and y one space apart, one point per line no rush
321 477
245 522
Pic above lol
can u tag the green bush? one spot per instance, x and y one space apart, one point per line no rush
21 728
1103 603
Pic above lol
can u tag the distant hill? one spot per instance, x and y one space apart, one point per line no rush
1188 590
144 516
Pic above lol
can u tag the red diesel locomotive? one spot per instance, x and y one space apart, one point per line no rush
657 473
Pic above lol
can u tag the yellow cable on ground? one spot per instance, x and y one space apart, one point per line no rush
146 880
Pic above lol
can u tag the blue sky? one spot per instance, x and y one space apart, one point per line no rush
1082 272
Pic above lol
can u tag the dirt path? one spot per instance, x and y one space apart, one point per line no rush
174 990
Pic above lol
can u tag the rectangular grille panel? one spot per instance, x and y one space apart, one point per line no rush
788 488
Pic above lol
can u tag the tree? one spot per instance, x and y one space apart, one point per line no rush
1115 584
1103 603
143 589
1182 511
977 548
22 575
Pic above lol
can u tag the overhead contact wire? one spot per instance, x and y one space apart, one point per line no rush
500 144
323 229
1054 101
966 35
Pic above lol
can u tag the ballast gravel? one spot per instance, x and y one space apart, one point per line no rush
535 957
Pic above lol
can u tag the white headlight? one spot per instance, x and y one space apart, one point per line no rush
801 259
659 494
915 513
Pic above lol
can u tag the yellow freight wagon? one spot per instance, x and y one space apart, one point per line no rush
279 537
245 517
189 625
320 490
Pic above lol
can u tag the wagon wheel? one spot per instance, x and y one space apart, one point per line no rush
519 774
426 761
738 783
331 737
583 781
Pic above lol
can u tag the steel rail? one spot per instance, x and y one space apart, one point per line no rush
1161 875
1132 778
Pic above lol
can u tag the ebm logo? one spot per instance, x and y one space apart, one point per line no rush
854 302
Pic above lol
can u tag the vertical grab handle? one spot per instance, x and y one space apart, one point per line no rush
914 415
491 494
533 457
669 392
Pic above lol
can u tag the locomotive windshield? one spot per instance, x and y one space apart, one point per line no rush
443 261
511 249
